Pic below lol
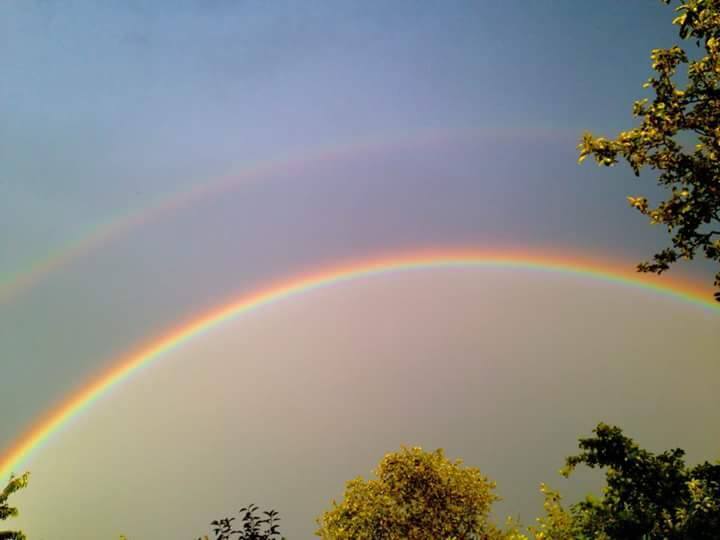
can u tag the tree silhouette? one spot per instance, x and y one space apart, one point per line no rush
254 526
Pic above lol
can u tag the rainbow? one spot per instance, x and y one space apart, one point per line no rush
153 350
14 283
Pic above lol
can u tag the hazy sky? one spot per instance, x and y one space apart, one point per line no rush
459 123
281 407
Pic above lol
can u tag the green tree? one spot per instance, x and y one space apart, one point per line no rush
417 495
691 213
557 523
647 497
16 483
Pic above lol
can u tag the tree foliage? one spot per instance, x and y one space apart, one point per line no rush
16 483
647 497
254 526
417 495
557 523
691 213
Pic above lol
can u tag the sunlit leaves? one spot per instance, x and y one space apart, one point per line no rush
557 523
416 495
15 484
692 212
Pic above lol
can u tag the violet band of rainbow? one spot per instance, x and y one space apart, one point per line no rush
20 280
124 367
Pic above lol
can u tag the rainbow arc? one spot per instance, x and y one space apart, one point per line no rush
132 364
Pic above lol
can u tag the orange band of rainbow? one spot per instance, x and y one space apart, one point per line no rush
15 456
16 282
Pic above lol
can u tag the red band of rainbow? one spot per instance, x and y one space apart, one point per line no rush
15 456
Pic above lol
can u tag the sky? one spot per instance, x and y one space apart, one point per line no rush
292 137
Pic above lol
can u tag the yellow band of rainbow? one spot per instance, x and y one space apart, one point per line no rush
101 234
15 456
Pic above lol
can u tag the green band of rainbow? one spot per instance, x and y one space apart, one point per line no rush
15 456
14 283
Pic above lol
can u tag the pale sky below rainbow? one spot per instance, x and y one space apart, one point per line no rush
15 457
15 283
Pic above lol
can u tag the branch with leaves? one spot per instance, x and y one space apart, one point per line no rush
691 213
15 484
254 526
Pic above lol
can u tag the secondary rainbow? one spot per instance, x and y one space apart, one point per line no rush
15 456
14 283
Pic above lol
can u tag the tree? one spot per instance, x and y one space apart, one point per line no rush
417 495
557 523
691 213
647 496
16 483
254 527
